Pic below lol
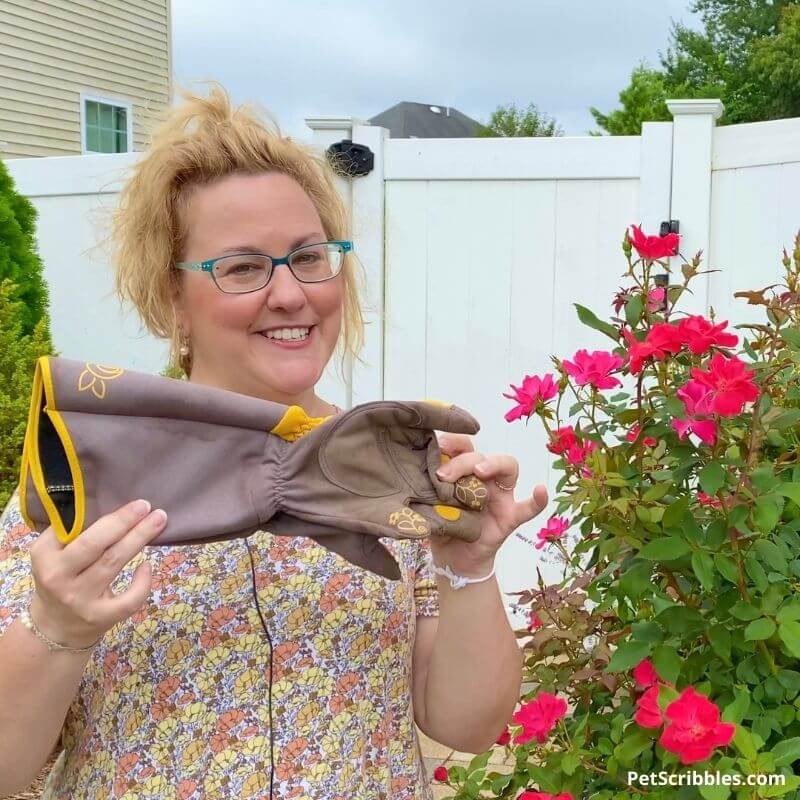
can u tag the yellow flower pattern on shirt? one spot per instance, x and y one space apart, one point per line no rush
174 702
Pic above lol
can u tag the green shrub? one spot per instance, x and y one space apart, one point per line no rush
24 325
18 354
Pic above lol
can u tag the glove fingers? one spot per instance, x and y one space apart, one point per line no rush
468 491
440 416
447 520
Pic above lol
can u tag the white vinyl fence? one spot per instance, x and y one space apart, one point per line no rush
476 250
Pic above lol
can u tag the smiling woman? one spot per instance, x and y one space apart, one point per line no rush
220 200
222 312
267 666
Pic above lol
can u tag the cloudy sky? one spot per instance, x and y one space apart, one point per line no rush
359 57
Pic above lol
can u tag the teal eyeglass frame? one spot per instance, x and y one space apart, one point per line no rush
208 265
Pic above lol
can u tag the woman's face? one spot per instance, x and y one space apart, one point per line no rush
268 213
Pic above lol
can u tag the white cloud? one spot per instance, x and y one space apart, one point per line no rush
351 57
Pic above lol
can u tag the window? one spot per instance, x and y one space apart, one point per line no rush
106 125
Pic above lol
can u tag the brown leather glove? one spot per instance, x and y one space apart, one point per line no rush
223 465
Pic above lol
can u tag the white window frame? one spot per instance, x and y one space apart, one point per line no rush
110 101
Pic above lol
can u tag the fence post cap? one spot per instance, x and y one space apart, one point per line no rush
713 107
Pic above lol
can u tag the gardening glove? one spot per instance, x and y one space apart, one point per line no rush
223 465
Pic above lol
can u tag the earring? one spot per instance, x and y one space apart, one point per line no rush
184 349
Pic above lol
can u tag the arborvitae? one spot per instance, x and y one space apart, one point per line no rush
24 326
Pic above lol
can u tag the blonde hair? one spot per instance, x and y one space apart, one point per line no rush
201 140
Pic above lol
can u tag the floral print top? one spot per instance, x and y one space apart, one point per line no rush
174 701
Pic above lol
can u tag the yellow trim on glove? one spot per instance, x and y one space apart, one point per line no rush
295 423
43 382
438 403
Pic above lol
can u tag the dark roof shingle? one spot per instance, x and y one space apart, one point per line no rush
418 120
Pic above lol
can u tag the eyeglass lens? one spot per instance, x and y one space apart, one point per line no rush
248 272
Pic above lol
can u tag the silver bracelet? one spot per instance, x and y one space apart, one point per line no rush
457 581
25 618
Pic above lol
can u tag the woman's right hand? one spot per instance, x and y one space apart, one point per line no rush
73 603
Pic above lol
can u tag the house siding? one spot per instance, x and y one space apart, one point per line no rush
52 50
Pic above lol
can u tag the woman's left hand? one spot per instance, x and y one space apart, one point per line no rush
503 514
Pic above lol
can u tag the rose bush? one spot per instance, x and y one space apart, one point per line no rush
672 641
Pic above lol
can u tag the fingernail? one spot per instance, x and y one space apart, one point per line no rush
483 466
160 515
141 507
440 473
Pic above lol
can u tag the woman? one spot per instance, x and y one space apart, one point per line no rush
171 687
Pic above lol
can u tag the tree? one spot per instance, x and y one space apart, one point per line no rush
746 55
642 101
24 326
508 120
18 355
19 260
776 64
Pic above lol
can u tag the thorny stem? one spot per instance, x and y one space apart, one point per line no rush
590 415
671 580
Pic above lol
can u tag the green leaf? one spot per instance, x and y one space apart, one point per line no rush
471 789
787 418
712 478
720 638
692 532
745 743
547 780
789 632
786 751
727 568
766 513
752 566
570 763
666 549
789 611
674 513
635 581
666 662
771 554
716 792
647 631
628 655
498 784
737 708
656 492
588 318
759 629
680 620
635 741
763 477
479 762
674 406
772 598
737 516
633 309
778 790
792 336
789 679
703 566
744 611
790 490
715 534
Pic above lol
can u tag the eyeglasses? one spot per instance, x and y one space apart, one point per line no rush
248 272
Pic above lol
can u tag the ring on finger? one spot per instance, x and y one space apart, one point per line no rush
504 488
